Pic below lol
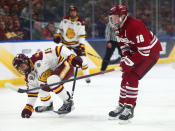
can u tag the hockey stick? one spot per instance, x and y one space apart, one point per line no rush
73 87
97 57
94 56
19 90
110 61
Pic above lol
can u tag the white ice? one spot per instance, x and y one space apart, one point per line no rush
155 110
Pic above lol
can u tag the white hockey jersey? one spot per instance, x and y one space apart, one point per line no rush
44 63
72 32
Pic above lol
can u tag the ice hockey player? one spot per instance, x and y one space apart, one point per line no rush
140 49
47 67
71 32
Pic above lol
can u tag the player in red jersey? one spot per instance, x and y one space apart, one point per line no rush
140 49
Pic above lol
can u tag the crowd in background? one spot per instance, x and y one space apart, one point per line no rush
15 17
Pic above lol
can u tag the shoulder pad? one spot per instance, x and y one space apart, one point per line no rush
37 56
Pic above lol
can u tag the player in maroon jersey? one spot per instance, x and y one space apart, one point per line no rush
140 49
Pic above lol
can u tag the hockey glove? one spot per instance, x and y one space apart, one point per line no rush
77 61
80 50
57 38
27 111
126 64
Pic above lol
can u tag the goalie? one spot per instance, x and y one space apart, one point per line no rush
47 67
71 32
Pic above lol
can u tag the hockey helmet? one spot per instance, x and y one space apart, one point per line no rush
73 8
21 59
116 13
119 9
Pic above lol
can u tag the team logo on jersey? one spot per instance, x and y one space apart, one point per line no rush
45 75
31 78
70 33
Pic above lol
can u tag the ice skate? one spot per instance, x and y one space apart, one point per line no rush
115 113
44 108
127 114
66 108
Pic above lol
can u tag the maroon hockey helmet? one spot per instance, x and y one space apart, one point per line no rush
73 8
20 59
119 9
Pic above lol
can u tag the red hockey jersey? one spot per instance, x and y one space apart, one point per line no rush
135 39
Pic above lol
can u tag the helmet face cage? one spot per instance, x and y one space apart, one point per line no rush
118 9
112 24
21 59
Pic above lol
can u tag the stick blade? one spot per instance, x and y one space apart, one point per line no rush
11 86
14 88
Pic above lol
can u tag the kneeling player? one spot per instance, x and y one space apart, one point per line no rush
47 67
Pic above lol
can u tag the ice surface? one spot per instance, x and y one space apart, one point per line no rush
155 110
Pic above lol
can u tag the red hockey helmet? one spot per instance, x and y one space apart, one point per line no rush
73 8
21 59
116 19
119 9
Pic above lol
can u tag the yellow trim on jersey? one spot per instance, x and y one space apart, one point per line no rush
65 70
84 67
30 108
82 36
58 89
76 19
61 59
70 58
32 95
43 77
45 98
69 43
58 50
57 35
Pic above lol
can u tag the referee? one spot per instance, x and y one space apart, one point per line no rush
111 45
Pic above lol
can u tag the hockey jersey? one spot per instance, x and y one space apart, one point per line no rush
136 40
72 32
44 63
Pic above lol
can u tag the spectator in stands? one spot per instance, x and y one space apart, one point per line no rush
20 32
37 12
6 10
2 31
49 31
2 13
10 34
25 13
37 32
15 9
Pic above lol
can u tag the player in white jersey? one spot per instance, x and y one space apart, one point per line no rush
47 67
71 32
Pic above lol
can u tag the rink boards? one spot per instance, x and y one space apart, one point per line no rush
96 47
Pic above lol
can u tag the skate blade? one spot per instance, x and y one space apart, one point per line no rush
113 118
123 122
62 115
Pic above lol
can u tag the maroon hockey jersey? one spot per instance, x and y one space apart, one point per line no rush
136 40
